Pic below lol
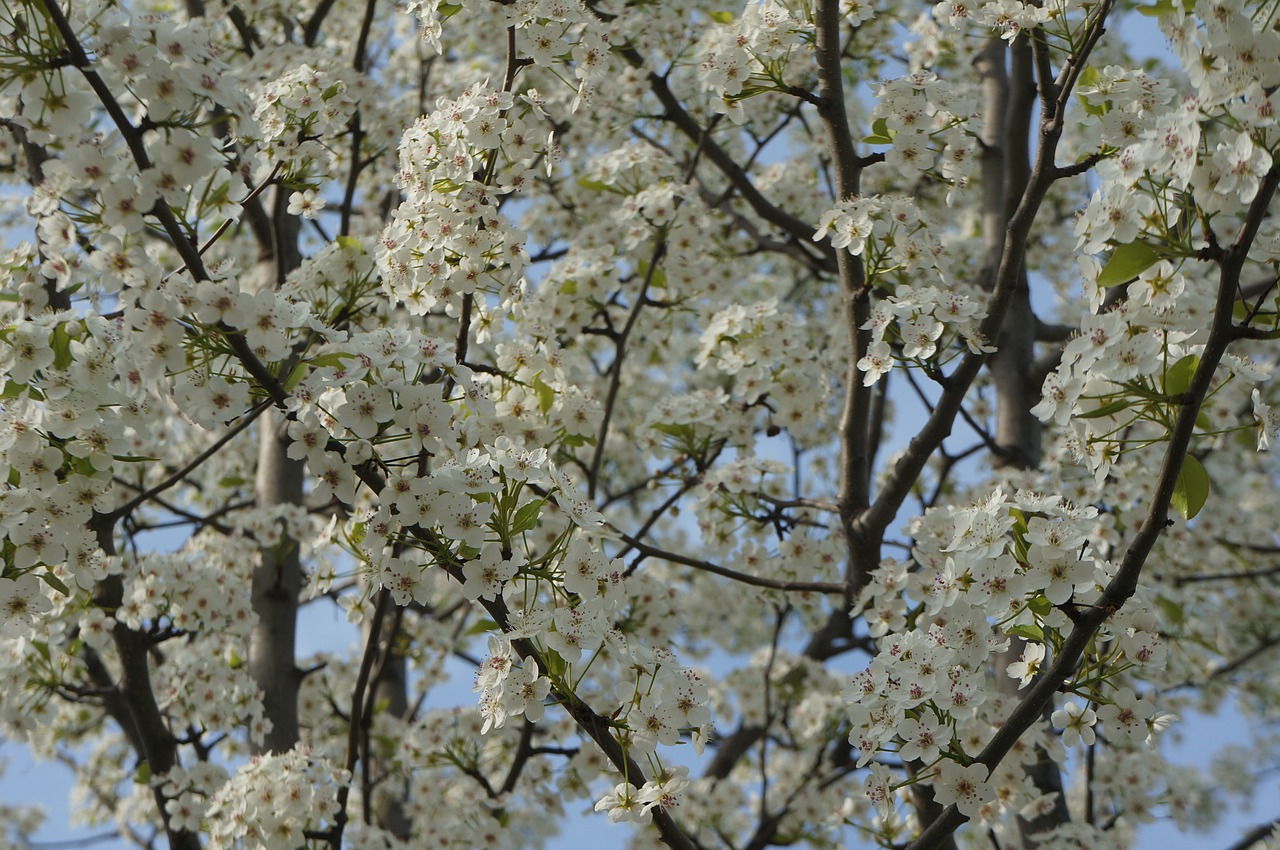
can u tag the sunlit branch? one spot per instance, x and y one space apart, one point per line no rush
756 581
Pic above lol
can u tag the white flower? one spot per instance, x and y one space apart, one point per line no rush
920 738
1011 17
851 223
1027 665
663 793
1076 723
878 787
497 667
1242 167
20 601
1127 715
967 787
306 204
524 692
876 362
624 804
1266 419
486 574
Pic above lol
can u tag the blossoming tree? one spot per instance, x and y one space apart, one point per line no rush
676 366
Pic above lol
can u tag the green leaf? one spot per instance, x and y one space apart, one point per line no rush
142 775
1127 262
681 431
331 92
656 277
61 345
1178 378
880 133
597 186
448 10
1040 605
722 17
12 389
546 395
1020 547
1172 611
1019 522
1090 108
793 683
218 196
527 517
1108 409
81 466
333 359
1155 10
296 374
231 482
54 582
1035 634
554 664
42 647
1191 489
481 626
350 243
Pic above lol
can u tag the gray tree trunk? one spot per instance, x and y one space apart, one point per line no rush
277 581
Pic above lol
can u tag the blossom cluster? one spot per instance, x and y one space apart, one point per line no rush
1010 18
433 385
448 240
274 800
1090 391
627 803
745 56
924 117
920 318
756 344
293 112
507 690
1020 560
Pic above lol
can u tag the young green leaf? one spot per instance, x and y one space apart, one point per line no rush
880 133
1192 488
1127 262
527 517
1178 378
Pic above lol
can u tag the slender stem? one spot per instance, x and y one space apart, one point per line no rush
756 581
355 727
615 370
180 474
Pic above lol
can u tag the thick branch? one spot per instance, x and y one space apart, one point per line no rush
1122 587
898 485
